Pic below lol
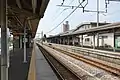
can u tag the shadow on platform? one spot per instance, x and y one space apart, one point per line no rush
18 70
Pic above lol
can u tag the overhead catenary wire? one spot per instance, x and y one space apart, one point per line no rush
68 16
64 19
59 8
61 12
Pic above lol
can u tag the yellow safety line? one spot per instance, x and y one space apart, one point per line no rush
32 69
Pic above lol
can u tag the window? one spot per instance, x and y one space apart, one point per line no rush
87 39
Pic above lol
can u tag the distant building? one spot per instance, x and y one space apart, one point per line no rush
66 27
51 35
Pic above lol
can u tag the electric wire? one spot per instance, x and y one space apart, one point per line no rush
64 19
68 16
58 10
61 11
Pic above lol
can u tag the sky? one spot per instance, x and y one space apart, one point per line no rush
54 15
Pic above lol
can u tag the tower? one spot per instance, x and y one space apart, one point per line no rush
66 26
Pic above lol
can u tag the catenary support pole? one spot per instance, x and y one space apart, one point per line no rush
97 22
4 49
97 13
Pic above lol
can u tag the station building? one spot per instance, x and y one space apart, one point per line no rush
106 36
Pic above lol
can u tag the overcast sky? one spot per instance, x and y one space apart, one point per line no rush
54 15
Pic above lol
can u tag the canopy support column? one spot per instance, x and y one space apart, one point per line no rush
25 60
4 46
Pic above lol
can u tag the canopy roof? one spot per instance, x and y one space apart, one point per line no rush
27 13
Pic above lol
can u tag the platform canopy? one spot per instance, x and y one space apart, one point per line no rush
23 13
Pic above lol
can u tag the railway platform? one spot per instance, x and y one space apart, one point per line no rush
36 67
18 70
43 69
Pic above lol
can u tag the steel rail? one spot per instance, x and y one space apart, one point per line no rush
100 65
87 52
52 65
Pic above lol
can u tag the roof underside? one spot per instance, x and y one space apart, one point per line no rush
27 13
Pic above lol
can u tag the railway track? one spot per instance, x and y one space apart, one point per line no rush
108 68
102 55
61 71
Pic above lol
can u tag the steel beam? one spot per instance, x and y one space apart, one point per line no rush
4 49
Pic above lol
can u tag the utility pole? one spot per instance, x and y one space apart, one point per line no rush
4 49
97 22
97 13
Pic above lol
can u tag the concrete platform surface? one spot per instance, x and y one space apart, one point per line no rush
43 69
19 70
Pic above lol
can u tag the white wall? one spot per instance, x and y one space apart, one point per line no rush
109 40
